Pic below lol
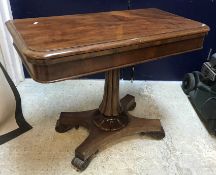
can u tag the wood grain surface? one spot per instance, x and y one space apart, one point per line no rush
108 37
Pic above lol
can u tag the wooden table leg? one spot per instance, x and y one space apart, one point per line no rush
108 123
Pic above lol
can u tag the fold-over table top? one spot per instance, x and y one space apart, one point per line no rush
64 47
59 36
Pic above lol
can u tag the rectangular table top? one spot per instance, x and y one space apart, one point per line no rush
63 39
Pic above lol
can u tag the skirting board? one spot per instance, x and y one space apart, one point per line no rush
23 126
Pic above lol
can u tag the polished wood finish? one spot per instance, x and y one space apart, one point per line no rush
63 47
110 105
110 108
108 123
58 48
97 138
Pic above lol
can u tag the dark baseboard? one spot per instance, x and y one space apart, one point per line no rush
23 126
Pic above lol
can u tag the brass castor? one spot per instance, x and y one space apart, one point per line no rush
155 135
80 164
61 128
76 126
108 123
132 107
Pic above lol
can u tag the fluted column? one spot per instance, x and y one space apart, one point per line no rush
110 105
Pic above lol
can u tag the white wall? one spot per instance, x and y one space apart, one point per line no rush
11 59
1 57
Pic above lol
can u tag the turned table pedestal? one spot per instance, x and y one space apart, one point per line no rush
64 47
108 123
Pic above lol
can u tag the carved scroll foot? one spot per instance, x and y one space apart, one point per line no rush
98 138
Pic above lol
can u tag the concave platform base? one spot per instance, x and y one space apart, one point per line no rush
103 129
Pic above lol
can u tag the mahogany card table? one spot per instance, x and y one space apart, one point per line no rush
64 47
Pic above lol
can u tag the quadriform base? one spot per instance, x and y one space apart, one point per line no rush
108 123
